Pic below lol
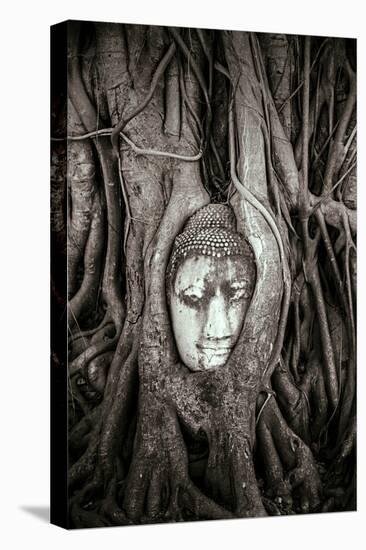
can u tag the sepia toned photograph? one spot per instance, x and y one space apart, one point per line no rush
203 274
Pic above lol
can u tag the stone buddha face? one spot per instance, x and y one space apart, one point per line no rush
210 282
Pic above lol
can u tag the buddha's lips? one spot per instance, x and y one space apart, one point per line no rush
215 349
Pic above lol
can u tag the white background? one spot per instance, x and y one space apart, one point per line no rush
24 218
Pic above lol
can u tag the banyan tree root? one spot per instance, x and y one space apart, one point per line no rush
158 485
289 462
85 299
119 473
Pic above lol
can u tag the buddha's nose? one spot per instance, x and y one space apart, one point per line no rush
217 321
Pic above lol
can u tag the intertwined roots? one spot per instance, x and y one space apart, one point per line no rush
170 121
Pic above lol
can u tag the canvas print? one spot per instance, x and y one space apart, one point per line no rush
203 222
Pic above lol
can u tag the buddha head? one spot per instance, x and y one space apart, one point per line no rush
210 281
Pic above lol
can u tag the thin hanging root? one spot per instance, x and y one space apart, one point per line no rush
90 333
198 73
329 248
347 167
126 203
172 101
348 306
155 80
310 266
201 81
330 369
302 81
312 385
189 106
304 185
297 289
154 152
111 276
198 132
337 145
350 386
135 148
273 186
209 56
317 156
217 158
350 245
315 108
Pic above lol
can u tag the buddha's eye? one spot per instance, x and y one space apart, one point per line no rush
236 293
192 295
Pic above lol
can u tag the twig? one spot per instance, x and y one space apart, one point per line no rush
318 155
127 204
269 395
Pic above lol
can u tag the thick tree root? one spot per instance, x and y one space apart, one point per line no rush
300 472
158 486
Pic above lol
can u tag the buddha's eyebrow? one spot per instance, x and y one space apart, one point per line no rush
193 287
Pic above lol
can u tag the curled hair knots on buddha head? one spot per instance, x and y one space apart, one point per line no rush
211 231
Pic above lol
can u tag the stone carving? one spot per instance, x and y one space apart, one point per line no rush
210 281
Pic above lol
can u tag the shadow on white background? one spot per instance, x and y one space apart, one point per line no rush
40 512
